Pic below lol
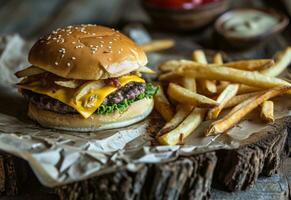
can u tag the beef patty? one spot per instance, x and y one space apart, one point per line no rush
129 91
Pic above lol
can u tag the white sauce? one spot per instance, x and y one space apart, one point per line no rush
249 23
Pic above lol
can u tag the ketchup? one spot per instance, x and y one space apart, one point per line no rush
180 3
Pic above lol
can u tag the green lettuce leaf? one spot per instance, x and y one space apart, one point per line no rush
149 92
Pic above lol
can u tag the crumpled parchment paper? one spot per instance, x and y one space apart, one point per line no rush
60 157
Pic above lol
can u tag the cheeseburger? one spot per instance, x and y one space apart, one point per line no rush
86 78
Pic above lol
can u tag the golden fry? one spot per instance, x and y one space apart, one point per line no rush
222 73
181 114
217 59
189 83
188 125
250 65
170 65
206 85
229 92
241 110
169 76
158 45
163 106
240 98
186 96
247 89
267 111
199 56
282 60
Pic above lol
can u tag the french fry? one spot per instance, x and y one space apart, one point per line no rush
282 60
199 56
267 111
217 59
169 76
171 65
240 98
242 109
247 89
222 85
206 85
189 83
186 96
157 45
188 125
251 65
229 92
181 114
163 106
248 65
222 73
30 71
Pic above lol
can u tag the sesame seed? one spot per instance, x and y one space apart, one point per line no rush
73 42
68 64
110 42
73 58
56 63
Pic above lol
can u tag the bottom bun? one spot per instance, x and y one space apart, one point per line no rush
75 122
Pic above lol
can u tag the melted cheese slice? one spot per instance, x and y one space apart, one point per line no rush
66 95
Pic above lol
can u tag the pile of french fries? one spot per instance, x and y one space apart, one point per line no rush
192 91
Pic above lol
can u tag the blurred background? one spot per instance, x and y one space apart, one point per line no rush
185 20
32 18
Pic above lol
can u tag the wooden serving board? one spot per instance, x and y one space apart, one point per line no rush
185 178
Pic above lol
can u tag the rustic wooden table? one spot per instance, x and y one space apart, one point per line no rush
33 18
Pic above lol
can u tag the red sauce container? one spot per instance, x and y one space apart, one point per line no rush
184 15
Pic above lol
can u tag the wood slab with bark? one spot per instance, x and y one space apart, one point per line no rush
185 178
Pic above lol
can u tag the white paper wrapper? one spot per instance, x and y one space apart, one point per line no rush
60 157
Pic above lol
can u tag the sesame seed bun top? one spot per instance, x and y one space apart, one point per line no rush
87 52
